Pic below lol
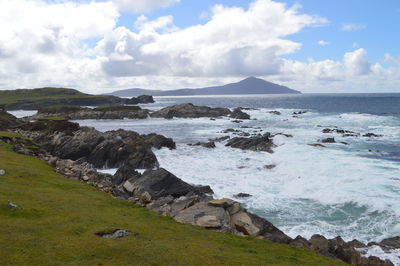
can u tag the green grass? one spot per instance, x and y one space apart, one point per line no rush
8 134
59 109
117 108
54 118
48 93
60 217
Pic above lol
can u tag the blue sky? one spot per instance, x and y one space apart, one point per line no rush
103 45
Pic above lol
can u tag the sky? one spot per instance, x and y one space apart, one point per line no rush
97 46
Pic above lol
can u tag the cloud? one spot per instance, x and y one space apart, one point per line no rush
235 41
355 63
323 43
352 27
140 6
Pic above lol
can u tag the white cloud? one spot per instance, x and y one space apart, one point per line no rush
355 63
234 41
323 43
139 6
352 26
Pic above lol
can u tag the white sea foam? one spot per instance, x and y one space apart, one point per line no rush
110 171
393 254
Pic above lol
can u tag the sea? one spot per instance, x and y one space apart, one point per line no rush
349 189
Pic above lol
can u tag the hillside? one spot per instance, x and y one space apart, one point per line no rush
36 98
249 85
60 219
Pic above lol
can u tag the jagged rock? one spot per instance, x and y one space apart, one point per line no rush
242 195
317 145
159 141
238 114
159 183
372 135
269 166
117 233
220 139
209 144
275 112
124 173
392 242
209 221
328 140
300 112
183 202
13 205
200 189
356 244
7 120
300 242
257 143
223 203
244 224
188 110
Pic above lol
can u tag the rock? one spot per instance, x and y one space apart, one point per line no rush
184 202
282 134
393 242
220 139
275 112
214 216
317 145
124 173
203 189
237 121
7 120
2 172
145 197
223 203
238 114
244 224
372 135
209 144
300 242
269 166
242 195
13 205
209 221
188 110
117 233
356 244
257 143
300 112
159 141
159 183
328 140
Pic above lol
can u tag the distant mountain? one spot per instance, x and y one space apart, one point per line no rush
249 85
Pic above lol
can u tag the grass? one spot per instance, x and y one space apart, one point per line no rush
8 134
25 95
54 118
59 109
60 218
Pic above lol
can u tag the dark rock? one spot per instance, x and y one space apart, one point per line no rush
238 114
258 143
124 173
145 99
237 121
160 183
203 189
372 135
300 112
300 242
7 120
393 242
220 139
188 110
282 134
356 244
275 112
328 140
209 144
317 145
269 166
242 195
159 141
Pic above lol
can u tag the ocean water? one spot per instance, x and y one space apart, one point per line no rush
348 190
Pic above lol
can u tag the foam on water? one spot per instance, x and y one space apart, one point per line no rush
393 254
22 113
348 190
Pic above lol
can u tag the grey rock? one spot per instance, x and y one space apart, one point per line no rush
257 143
188 110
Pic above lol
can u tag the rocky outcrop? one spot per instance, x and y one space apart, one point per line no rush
140 99
188 110
257 143
237 113
7 120
103 112
111 149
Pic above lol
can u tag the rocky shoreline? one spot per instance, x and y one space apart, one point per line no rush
76 152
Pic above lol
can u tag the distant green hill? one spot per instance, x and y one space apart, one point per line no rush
35 98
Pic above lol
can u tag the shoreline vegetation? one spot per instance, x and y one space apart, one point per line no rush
74 151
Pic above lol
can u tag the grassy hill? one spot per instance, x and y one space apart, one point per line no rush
60 217
49 96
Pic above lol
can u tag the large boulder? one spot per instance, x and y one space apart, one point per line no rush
140 99
239 114
188 110
257 143
160 183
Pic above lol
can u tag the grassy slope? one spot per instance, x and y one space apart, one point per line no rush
23 95
61 216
